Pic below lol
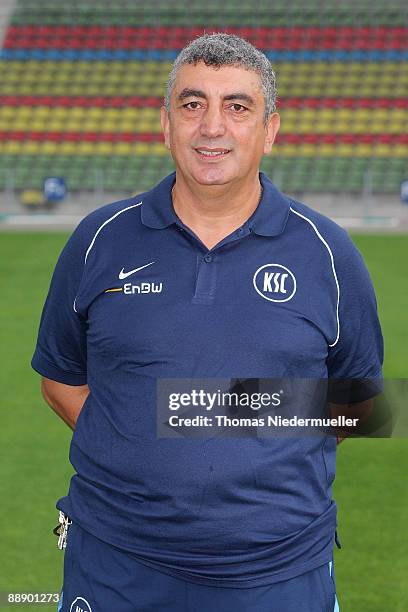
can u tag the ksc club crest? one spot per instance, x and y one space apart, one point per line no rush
275 283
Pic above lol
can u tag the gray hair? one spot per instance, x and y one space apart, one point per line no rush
220 49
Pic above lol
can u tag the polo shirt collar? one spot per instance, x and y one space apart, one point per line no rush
272 212
157 206
268 219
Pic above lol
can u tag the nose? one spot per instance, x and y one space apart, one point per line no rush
212 123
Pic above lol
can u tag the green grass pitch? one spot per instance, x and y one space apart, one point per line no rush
370 489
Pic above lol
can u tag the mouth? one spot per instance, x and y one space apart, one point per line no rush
206 153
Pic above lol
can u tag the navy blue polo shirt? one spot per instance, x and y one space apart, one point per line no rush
136 297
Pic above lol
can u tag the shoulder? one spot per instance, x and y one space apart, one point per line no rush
113 217
318 227
349 269
110 212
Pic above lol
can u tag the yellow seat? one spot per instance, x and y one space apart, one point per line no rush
130 79
131 113
104 148
107 126
61 78
51 89
60 113
381 115
308 150
112 114
142 126
21 125
31 147
360 127
12 147
94 113
127 127
67 148
72 125
112 90
400 114
55 125
306 127
47 147
22 112
286 151
325 127
364 150
9 80
382 150
86 148
87 90
122 148
83 79
158 148
128 90
76 112
88 126
397 127
8 112
40 112
346 150
38 125
32 197
325 150
400 150
74 90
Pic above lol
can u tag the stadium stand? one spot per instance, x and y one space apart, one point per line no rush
82 83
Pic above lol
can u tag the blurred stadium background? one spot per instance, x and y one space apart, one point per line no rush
81 83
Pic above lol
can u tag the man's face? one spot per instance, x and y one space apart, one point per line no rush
215 129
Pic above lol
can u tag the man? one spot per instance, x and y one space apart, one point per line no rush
212 273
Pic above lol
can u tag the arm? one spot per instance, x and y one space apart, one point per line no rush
355 360
66 400
359 410
376 417
60 355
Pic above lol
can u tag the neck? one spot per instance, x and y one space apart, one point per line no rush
215 210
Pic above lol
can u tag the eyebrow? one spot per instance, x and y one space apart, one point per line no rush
198 93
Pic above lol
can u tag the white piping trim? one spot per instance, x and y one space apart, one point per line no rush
99 229
105 223
333 269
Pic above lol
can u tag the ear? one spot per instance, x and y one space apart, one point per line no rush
271 129
165 124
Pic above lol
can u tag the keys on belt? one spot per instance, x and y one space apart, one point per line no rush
61 530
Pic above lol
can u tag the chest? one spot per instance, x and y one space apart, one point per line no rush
260 314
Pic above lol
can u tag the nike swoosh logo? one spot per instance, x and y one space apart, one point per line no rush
123 274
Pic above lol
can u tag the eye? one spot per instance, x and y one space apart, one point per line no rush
238 108
194 105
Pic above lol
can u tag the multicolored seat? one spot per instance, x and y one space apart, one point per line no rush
82 84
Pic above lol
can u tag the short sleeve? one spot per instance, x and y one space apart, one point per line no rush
60 352
358 354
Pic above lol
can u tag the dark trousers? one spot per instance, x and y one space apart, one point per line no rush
101 578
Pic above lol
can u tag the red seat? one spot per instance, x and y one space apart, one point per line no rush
89 136
73 137
347 138
53 136
36 136
311 138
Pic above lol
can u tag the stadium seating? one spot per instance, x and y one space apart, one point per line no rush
82 83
